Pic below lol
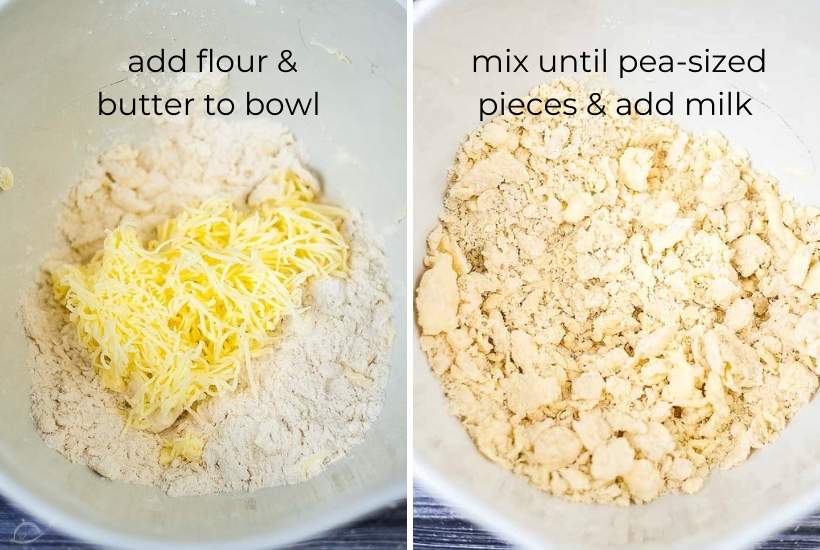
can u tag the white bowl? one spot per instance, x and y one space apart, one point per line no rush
55 57
780 482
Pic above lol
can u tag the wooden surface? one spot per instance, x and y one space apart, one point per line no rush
386 529
437 527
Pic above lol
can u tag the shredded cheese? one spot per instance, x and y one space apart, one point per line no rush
176 320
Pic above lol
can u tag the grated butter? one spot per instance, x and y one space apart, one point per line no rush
176 320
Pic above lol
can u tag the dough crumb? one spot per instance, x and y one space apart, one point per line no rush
6 179
636 306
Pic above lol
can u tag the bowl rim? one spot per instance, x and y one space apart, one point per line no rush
486 515
84 530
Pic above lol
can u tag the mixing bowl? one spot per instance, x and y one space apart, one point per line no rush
779 482
56 56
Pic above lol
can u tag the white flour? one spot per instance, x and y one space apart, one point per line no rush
317 392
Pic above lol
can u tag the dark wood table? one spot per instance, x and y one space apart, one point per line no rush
384 529
435 526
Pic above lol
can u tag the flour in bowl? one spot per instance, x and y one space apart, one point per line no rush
313 395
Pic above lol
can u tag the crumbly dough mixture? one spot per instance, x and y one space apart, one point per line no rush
615 307
316 393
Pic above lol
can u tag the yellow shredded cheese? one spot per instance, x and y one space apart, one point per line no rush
188 446
176 320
